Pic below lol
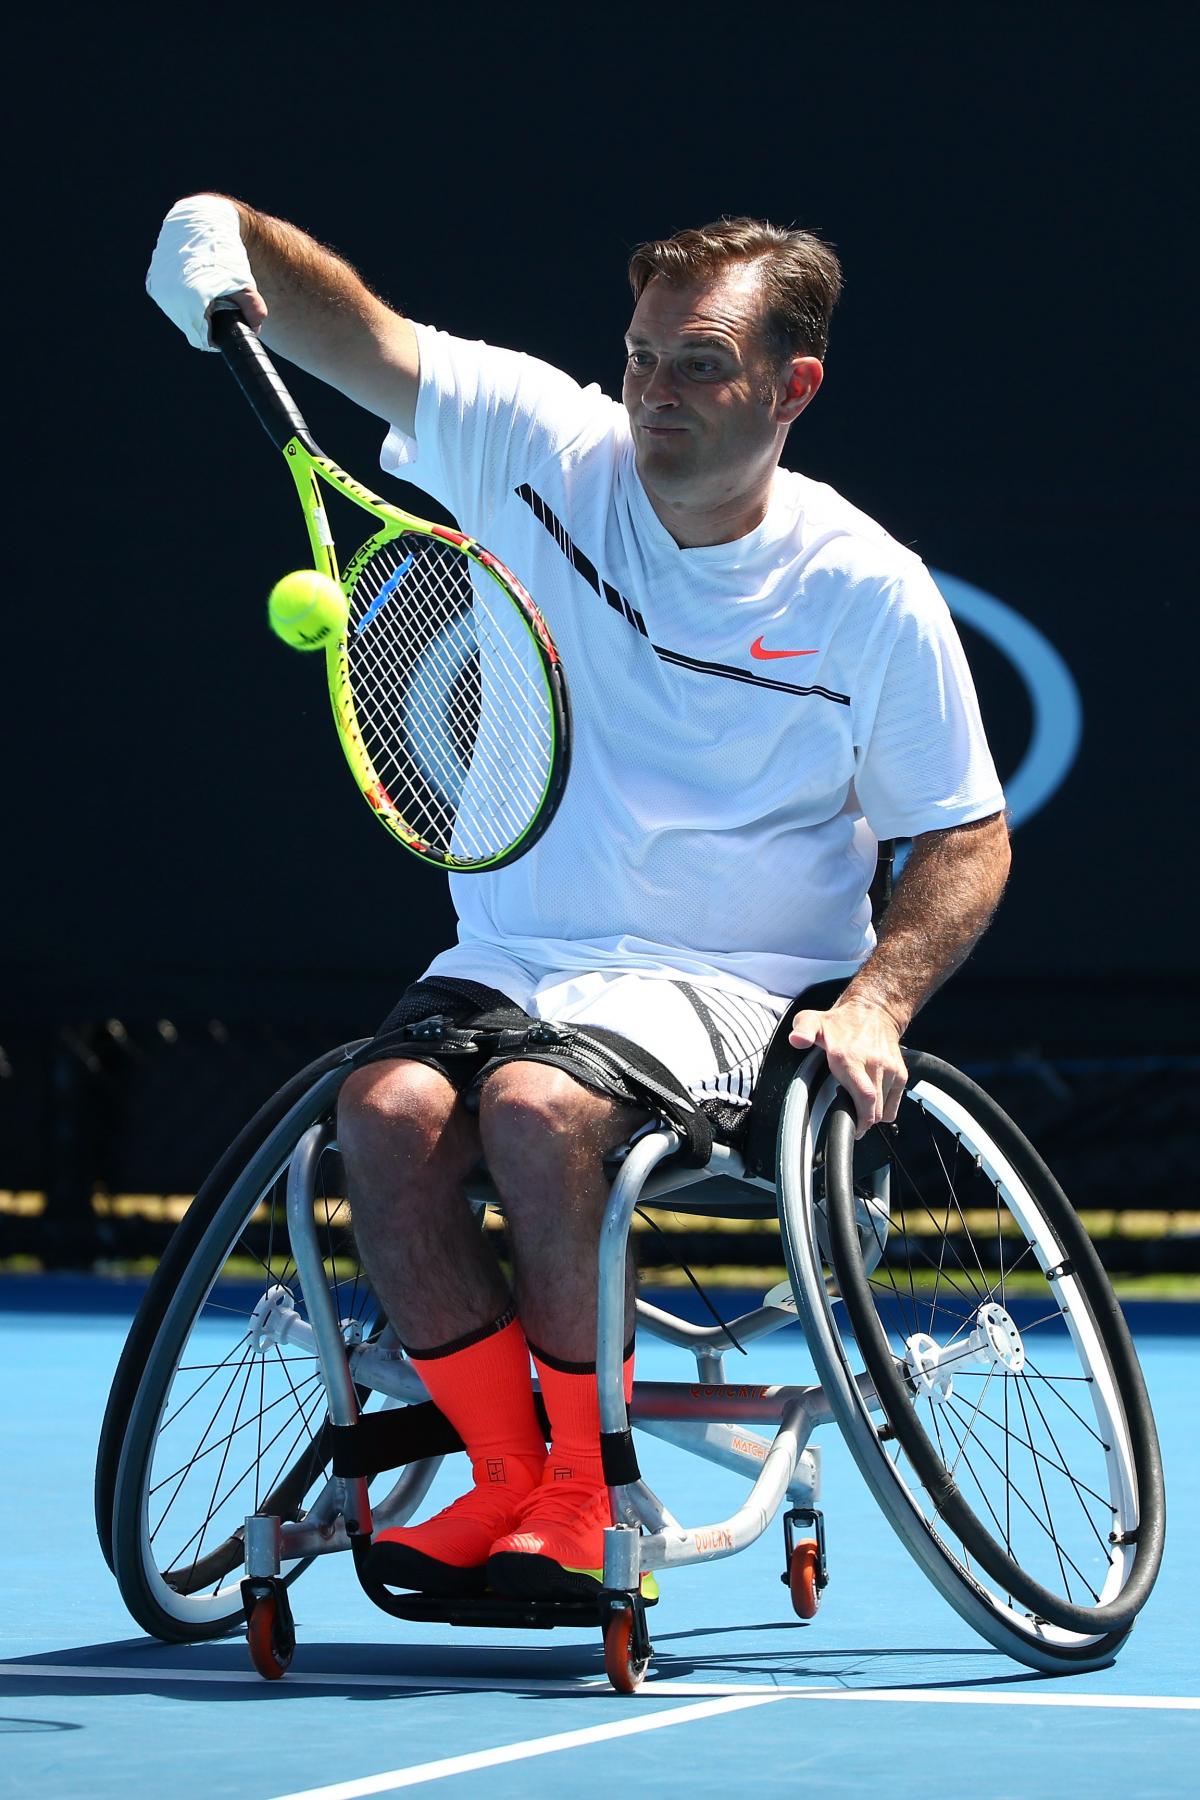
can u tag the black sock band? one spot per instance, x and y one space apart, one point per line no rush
577 1368
463 1343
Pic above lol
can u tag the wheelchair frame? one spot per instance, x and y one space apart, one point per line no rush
834 1230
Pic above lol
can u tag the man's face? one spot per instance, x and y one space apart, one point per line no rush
702 391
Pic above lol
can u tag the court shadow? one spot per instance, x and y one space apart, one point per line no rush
222 1670
13 1726
381 1671
779 1659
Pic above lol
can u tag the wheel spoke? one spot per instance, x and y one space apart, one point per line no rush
1032 1372
970 1424
214 1370
1005 1531
199 1455
216 1504
221 1465
200 1446
1039 1472
1059 1467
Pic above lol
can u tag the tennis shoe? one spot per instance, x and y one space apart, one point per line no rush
555 1549
448 1554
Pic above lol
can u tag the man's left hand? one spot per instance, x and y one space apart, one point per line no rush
861 1042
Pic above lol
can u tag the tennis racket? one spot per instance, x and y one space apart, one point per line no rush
448 693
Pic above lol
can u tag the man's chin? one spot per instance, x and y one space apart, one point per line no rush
662 463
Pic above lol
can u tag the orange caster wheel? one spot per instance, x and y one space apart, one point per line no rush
804 1568
624 1664
804 1574
270 1632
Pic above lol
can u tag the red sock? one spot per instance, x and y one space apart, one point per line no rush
573 1403
484 1388
486 1392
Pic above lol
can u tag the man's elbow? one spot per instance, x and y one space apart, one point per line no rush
1003 846
1001 841
982 853
995 862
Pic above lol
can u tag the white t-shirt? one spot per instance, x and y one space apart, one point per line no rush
721 815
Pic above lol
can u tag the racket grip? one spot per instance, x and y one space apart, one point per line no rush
258 379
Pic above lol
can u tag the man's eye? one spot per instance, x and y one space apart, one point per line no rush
639 358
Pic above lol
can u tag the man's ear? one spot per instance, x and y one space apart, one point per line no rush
802 377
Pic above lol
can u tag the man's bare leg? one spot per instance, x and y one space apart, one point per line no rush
409 1145
545 1137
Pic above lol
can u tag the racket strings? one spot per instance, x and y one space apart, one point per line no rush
443 709
442 655
450 697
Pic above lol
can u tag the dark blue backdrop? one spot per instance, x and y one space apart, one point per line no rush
1005 187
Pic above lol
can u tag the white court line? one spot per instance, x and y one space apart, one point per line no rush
543 1746
590 1686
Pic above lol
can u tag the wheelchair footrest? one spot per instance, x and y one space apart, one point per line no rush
497 1612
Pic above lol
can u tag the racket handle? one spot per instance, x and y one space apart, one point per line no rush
258 379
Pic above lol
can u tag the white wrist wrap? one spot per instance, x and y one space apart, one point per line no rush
199 258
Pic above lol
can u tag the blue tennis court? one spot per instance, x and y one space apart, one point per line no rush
886 1688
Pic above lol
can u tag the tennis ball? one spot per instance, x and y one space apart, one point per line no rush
307 610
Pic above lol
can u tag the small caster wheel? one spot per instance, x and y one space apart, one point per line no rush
804 1577
270 1632
624 1667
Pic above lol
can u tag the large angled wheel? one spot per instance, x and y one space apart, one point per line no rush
977 1362
214 1414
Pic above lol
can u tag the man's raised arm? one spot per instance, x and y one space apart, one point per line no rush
310 305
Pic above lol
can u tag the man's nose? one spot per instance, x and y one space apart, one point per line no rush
658 390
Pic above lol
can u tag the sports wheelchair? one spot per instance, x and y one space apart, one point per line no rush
966 1339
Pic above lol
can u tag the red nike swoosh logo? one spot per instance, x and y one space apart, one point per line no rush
757 650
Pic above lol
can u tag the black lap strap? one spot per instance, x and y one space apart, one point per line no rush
621 1066
439 1019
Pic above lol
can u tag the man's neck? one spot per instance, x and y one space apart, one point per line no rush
694 527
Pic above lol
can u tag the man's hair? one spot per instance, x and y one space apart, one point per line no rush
800 277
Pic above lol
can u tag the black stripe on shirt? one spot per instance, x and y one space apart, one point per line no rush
575 556
585 567
733 674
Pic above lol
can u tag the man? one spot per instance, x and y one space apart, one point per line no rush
763 684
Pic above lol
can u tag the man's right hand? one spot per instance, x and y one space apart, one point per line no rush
199 264
246 301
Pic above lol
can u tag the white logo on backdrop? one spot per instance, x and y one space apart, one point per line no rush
1053 696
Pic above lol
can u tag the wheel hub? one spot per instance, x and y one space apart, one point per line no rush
271 1318
996 1340
994 1343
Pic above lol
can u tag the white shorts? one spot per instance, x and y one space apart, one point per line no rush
712 1039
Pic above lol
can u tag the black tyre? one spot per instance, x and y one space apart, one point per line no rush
1003 1421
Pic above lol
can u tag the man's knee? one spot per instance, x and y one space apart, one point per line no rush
395 1110
534 1115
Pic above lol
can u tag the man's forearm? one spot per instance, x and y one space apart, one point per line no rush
323 317
943 901
307 288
